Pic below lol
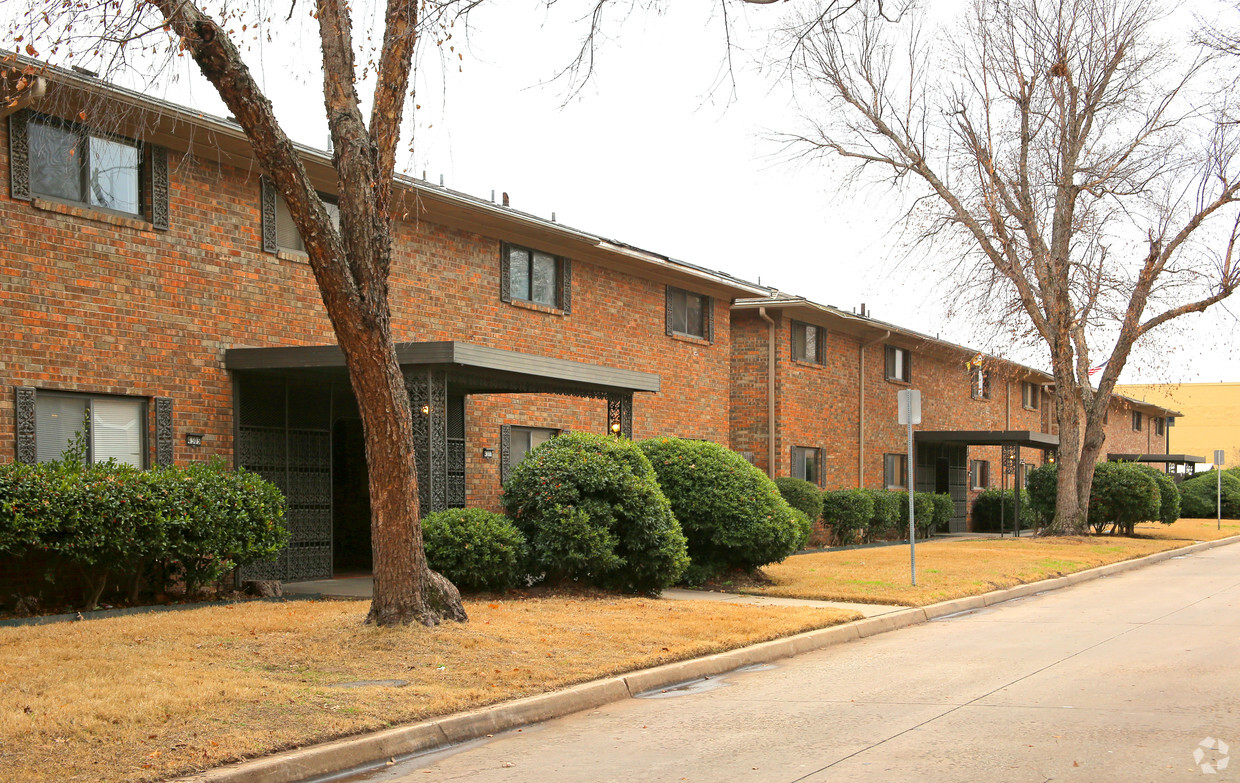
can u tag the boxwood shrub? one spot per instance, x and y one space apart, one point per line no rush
474 548
1168 493
1199 496
591 509
885 521
111 521
995 510
733 515
1121 496
801 494
944 510
848 512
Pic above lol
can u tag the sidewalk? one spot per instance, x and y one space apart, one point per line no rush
363 587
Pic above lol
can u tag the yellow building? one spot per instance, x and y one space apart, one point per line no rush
1211 416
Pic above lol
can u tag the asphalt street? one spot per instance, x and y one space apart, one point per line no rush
1134 677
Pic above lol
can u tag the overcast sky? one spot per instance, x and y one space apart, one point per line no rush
661 151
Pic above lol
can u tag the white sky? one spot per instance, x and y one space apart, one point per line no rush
655 154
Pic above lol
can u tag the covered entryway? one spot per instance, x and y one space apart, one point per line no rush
952 446
297 425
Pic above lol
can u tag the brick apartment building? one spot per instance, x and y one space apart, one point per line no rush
153 282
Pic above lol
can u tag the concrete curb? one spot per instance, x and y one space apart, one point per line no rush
369 749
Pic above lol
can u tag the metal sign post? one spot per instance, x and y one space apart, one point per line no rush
1218 496
908 402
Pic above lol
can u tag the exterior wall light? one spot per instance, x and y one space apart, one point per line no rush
615 428
426 409
193 439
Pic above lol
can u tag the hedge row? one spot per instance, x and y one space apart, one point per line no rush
113 523
1123 494
867 515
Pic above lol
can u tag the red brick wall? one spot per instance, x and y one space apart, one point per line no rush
101 305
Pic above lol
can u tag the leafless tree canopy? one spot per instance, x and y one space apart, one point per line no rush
1076 170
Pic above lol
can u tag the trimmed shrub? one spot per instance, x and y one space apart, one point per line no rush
802 495
1121 496
591 509
995 510
1168 493
731 513
848 512
1042 484
1199 496
885 521
944 511
923 514
474 548
111 521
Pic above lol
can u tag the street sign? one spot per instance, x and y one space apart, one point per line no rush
1218 457
909 404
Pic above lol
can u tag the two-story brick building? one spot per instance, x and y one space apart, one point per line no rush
155 292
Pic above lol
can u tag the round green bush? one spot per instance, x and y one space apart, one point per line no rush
1199 496
944 510
1042 484
848 512
802 495
591 509
1168 494
1121 496
732 514
995 510
885 521
474 548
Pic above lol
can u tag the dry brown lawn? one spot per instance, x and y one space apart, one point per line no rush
152 696
954 569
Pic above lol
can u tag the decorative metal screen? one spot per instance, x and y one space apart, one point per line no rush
454 465
283 435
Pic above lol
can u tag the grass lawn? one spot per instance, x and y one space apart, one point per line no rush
954 569
151 696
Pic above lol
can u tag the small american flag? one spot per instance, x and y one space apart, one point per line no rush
1095 370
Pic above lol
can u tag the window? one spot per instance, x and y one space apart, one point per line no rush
899 364
688 314
895 471
287 235
114 427
533 276
71 163
980 384
808 343
1030 395
806 464
517 442
979 474
1136 421
1158 426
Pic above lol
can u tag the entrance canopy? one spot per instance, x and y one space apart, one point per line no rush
1037 440
1166 459
470 368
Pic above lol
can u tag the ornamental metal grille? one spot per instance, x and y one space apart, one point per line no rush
273 440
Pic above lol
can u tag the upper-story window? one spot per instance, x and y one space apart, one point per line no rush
899 364
534 276
688 314
808 343
1158 425
73 163
1030 396
112 427
979 383
287 235
1137 421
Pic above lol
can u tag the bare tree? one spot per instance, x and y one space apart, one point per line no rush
1067 158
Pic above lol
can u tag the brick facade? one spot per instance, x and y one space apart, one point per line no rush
100 303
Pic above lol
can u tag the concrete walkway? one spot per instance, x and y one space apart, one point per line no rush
363 587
